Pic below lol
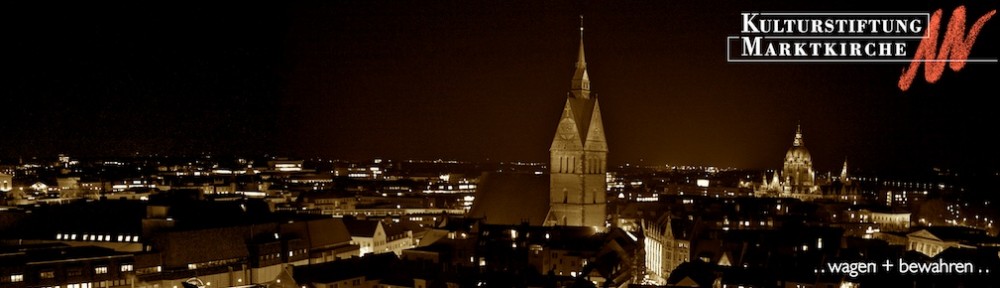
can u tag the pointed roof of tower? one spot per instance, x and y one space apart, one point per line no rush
843 172
798 136
581 80
583 109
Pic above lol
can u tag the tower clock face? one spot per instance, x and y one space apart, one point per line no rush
566 132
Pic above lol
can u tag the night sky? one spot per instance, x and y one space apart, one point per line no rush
470 80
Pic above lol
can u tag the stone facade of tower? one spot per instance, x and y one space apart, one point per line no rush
578 158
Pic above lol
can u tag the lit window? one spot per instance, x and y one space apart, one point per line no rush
47 274
16 277
126 267
101 270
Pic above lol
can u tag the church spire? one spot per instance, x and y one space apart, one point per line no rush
843 172
798 136
581 62
581 81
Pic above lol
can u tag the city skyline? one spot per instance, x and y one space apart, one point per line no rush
403 144
359 80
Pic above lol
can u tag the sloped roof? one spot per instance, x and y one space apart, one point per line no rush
682 229
19 255
394 229
583 111
98 217
699 272
324 232
961 234
361 228
180 248
376 266
510 199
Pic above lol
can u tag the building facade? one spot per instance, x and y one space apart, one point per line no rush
57 265
240 255
378 237
664 251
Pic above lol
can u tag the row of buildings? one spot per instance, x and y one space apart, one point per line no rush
164 247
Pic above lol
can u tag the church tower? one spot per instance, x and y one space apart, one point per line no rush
578 157
843 174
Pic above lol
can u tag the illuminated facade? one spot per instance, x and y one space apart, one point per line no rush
6 182
376 237
927 243
578 157
664 251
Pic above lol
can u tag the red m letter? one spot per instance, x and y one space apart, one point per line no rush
956 44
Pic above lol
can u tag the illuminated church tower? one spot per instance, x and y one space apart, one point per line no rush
578 157
843 174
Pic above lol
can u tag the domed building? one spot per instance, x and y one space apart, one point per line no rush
796 177
798 173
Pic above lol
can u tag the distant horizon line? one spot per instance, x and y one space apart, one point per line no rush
5 160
